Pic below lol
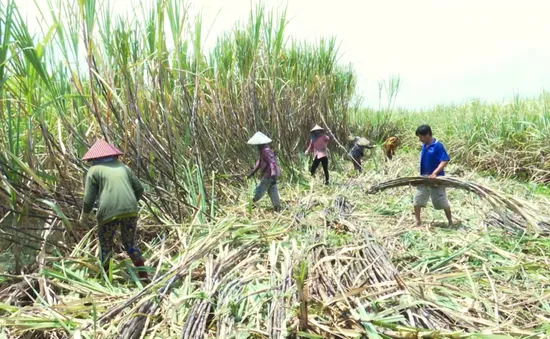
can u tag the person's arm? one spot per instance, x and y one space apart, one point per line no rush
310 147
90 196
272 164
254 170
439 168
443 158
136 185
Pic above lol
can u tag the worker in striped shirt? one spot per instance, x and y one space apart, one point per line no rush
269 170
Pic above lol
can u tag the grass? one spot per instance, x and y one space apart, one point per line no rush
338 262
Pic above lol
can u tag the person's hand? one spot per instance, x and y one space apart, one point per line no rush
432 176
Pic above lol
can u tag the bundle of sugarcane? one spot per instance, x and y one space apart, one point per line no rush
138 320
341 278
534 222
218 272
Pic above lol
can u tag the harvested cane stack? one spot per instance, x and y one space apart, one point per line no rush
502 204
342 278
218 272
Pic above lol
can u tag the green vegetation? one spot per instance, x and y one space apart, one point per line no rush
336 263
509 139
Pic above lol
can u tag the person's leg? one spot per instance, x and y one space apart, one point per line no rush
420 200
387 151
274 196
417 211
324 162
261 189
357 164
128 228
449 216
440 202
314 165
106 234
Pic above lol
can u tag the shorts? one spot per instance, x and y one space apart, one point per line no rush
437 194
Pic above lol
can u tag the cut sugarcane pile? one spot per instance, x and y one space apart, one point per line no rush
331 266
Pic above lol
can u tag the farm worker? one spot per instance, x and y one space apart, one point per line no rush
117 191
358 151
433 159
318 143
269 171
352 140
389 147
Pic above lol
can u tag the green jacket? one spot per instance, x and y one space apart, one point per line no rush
116 189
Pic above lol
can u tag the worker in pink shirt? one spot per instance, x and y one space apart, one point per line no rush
318 143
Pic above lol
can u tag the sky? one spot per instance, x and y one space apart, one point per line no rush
444 51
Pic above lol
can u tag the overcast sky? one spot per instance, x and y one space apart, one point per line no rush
444 51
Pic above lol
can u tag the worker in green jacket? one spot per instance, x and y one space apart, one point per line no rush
117 192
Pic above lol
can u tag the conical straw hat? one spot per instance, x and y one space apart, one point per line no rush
317 128
259 139
363 142
101 149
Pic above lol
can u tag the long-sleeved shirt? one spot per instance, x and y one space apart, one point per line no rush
357 151
267 164
116 189
319 146
352 143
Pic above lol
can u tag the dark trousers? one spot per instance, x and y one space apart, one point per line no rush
323 161
106 234
357 164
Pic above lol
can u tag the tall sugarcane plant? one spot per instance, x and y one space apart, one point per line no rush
148 86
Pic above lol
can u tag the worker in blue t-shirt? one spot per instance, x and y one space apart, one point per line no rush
433 159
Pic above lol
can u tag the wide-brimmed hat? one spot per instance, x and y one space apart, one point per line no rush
101 149
259 139
351 138
317 128
363 142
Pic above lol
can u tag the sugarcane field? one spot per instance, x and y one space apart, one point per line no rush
246 169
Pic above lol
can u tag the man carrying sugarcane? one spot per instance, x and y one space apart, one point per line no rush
117 192
433 159
269 170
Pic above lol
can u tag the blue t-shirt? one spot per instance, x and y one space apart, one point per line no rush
431 156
